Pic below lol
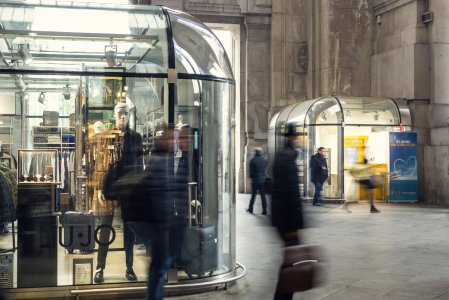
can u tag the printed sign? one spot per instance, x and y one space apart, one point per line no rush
6 270
403 167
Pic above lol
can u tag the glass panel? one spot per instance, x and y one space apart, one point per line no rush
324 111
217 167
328 137
54 38
197 49
298 114
369 111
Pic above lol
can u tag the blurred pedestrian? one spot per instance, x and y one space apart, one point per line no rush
319 174
257 166
363 173
286 206
149 211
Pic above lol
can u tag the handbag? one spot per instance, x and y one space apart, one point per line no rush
302 268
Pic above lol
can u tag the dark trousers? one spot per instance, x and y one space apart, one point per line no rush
129 239
105 233
156 234
289 240
318 189
258 186
104 238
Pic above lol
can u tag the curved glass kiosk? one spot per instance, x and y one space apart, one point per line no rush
64 67
350 128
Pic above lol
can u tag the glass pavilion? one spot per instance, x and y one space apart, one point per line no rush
348 127
63 67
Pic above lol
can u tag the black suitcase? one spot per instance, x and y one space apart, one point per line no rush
200 251
79 230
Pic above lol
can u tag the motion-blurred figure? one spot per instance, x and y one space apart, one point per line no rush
363 173
257 167
286 206
319 174
149 211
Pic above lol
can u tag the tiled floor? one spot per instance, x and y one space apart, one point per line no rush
401 253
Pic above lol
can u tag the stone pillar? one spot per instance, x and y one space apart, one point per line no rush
436 155
345 47
400 67
290 53
258 90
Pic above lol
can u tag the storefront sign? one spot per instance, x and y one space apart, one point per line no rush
403 167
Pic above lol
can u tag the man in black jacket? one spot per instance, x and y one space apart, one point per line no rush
257 167
286 207
319 173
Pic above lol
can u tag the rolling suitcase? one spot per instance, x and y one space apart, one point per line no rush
200 252
79 230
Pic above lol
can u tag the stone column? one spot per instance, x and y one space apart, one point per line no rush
436 155
258 88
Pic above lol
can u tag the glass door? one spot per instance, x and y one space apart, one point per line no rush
329 137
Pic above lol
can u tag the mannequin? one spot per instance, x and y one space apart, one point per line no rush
130 157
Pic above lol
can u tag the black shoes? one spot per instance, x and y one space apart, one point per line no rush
316 204
249 210
130 275
264 213
98 278
374 209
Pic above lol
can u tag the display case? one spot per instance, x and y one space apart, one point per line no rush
37 166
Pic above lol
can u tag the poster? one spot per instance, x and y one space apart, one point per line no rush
403 167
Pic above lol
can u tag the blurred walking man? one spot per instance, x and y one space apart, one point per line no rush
257 167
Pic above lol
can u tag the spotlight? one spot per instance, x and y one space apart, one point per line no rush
20 84
66 92
25 54
323 116
42 98
110 53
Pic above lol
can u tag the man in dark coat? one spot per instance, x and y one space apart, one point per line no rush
286 207
257 167
149 211
319 173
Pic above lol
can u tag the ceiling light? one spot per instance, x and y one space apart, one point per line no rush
110 53
66 92
20 84
25 54
376 116
323 116
42 98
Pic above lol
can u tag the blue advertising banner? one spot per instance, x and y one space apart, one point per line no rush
403 167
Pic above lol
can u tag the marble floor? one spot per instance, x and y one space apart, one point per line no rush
400 253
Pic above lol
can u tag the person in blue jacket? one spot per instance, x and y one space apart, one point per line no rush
319 174
257 166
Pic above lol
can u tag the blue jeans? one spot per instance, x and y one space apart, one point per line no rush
318 189
155 234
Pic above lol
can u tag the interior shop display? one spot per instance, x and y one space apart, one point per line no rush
37 166
45 137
